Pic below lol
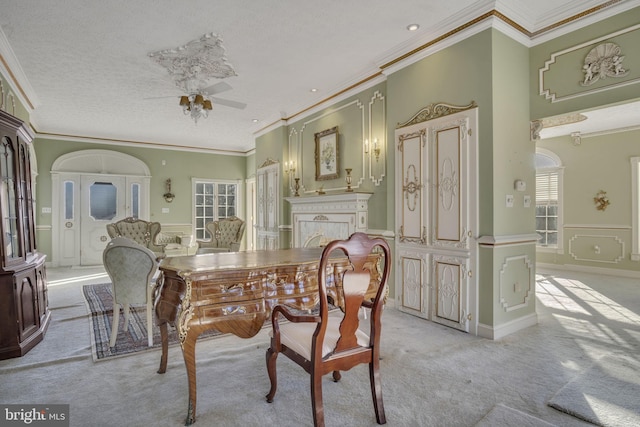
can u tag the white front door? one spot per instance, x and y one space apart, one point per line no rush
102 201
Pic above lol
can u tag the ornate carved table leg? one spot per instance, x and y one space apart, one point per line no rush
189 354
164 337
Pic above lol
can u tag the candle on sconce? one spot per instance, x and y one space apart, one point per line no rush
366 146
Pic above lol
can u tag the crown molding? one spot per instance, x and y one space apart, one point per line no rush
15 76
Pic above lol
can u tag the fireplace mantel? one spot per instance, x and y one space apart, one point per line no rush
317 220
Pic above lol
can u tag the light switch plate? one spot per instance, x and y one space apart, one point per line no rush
527 201
165 210
509 200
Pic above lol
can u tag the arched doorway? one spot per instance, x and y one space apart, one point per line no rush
91 188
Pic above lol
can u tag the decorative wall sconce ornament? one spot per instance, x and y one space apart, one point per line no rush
348 179
601 200
376 148
603 61
290 167
168 196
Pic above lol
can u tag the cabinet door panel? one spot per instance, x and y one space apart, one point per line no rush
27 305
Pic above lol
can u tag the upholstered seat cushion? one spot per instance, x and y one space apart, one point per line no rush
298 336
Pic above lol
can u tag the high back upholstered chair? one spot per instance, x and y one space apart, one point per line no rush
131 268
332 341
226 235
140 231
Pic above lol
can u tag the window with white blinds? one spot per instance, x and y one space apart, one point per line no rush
548 199
547 208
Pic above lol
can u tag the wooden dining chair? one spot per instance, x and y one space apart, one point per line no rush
332 341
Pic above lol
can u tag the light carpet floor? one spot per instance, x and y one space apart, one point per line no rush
431 375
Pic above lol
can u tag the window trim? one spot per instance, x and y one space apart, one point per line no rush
559 169
239 197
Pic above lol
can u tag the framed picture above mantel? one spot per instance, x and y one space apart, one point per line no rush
327 154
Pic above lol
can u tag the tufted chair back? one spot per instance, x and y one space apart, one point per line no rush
140 231
131 267
226 235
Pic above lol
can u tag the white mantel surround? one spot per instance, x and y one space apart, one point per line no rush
331 216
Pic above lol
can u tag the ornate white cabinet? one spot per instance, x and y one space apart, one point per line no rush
268 199
436 215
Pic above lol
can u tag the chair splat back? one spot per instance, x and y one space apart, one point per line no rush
332 341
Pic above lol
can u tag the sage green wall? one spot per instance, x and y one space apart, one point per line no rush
600 162
250 171
351 116
180 166
513 151
493 70
456 75
568 73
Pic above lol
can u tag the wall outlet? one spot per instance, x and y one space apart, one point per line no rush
509 200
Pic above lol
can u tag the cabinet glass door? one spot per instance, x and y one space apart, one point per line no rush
8 198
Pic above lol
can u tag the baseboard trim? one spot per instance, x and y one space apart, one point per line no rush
501 331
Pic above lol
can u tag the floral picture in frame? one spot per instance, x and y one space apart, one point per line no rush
327 154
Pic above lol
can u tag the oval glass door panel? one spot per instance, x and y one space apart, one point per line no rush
103 201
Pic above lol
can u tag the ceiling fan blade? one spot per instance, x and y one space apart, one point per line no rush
229 103
163 97
216 88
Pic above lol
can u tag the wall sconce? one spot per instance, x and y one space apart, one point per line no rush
376 148
290 167
168 196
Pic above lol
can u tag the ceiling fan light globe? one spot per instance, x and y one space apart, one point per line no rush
207 105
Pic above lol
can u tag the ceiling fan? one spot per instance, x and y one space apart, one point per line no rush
199 102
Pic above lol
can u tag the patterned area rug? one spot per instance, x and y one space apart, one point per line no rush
132 338
607 394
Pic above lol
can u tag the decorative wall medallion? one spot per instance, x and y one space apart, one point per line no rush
601 200
194 64
603 61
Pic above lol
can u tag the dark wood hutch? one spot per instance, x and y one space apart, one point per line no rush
24 306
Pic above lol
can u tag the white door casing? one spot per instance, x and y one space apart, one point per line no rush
69 238
436 216
267 205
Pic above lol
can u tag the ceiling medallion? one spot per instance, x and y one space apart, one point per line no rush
193 65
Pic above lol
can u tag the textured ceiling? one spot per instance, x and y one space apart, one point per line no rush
84 68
